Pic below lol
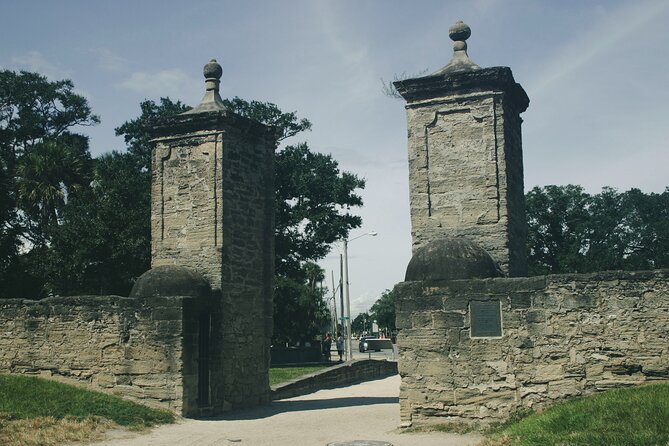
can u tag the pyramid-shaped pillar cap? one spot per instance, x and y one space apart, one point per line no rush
211 102
461 76
459 32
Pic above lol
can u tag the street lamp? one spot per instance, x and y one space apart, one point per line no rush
349 351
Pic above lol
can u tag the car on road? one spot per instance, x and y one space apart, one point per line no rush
362 345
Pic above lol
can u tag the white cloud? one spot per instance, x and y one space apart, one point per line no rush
597 115
173 82
109 61
352 60
36 62
587 46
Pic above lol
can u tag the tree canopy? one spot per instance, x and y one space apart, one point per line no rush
314 202
383 311
103 243
362 323
43 165
573 231
70 224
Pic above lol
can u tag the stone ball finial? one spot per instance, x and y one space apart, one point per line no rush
459 31
213 70
211 102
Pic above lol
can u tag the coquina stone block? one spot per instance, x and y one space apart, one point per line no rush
213 212
579 334
473 346
465 158
194 336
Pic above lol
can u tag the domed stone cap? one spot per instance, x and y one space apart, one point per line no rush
170 280
451 259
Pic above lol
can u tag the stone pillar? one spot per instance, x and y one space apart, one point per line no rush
465 156
212 211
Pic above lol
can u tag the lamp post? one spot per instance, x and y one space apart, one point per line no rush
349 352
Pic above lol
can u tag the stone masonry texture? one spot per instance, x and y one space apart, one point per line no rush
213 212
465 162
562 336
212 219
131 347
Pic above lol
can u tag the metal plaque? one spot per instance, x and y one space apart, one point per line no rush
486 318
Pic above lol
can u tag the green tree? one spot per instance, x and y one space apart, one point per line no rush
557 220
135 132
8 236
649 216
269 114
52 173
103 242
33 109
383 311
572 231
608 235
300 312
361 323
314 201
42 164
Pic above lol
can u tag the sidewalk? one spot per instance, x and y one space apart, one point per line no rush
366 411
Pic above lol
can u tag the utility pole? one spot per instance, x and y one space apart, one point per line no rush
334 307
349 353
341 291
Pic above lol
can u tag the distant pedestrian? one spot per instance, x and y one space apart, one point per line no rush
340 347
327 346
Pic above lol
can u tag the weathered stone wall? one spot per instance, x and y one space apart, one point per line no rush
563 335
513 177
465 163
187 203
248 268
213 212
131 347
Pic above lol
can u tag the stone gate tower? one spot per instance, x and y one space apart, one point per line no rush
465 156
212 212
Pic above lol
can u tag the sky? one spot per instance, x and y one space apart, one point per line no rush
595 72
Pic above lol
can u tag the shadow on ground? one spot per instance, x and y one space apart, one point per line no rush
282 406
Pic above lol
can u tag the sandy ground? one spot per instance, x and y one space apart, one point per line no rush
366 411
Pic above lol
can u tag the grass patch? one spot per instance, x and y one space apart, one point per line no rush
278 375
35 411
620 417
50 431
25 397
451 428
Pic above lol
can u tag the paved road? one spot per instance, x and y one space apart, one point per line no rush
366 411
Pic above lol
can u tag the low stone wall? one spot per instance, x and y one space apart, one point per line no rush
132 347
339 375
562 336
